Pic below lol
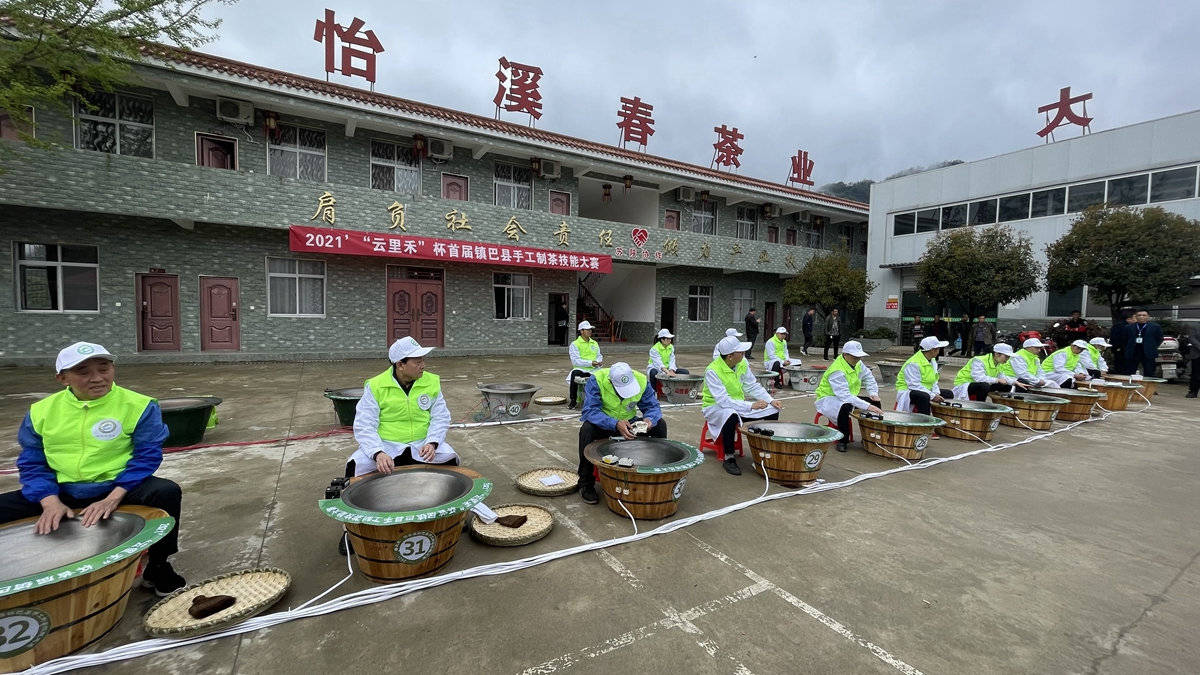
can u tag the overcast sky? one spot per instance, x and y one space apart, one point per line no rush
868 88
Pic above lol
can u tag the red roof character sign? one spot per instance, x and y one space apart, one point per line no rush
726 149
802 168
521 92
328 31
1063 114
636 125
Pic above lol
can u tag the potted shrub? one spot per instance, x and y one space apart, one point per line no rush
877 339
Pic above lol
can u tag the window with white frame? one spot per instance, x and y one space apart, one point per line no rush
704 217
295 287
699 302
395 166
811 233
57 277
512 293
115 122
747 222
514 186
298 152
743 300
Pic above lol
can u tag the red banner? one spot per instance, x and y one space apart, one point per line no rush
355 242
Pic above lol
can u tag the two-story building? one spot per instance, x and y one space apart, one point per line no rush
213 209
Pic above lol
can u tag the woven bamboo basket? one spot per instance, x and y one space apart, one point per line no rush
793 454
1116 394
899 435
256 590
1037 411
1079 403
1149 384
530 481
969 420
651 488
538 524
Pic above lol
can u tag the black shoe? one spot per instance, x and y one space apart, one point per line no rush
162 579
1190 394
842 446
588 494
571 405
731 467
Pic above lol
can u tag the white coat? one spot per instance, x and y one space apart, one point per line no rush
830 406
769 356
1085 360
656 361
912 377
1059 372
723 406
979 374
578 363
366 434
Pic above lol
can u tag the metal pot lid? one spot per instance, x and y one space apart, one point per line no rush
1031 398
1058 393
347 393
181 403
792 432
1114 384
906 419
981 406
690 377
408 495
508 388
649 455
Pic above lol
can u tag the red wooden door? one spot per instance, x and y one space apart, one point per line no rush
454 187
215 152
770 319
219 324
159 312
560 203
429 313
415 308
671 220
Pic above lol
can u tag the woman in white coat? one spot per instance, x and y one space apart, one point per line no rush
728 387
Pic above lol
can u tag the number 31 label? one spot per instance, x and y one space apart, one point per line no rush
415 547
21 629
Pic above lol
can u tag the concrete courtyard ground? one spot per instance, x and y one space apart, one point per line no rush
1074 553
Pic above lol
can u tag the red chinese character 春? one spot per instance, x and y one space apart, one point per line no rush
1064 114
802 168
522 90
726 149
636 125
328 31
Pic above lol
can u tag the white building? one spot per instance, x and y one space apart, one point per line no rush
1038 191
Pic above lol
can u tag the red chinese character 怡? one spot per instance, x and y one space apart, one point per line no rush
1063 114
522 93
636 125
328 31
726 149
802 168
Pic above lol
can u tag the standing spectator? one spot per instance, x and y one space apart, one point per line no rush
1117 337
751 331
1193 357
941 330
807 326
833 331
984 335
1142 339
1075 327
918 333
963 330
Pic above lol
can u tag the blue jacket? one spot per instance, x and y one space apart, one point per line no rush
1152 337
38 480
593 413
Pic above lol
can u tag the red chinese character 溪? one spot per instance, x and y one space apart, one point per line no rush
522 90
1064 114
636 125
802 168
726 149
328 31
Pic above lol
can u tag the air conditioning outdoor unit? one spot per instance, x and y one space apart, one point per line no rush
803 216
771 210
686 194
235 111
440 149
550 169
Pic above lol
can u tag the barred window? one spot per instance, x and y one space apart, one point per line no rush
395 167
513 186
119 123
299 152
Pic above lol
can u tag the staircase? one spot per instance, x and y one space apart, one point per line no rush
589 308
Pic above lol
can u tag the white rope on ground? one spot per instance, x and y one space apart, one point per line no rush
389 591
631 518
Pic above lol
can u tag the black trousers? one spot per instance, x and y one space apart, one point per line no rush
573 387
589 432
751 337
1146 361
1094 372
155 492
1194 378
830 340
777 366
978 391
808 341
1068 384
843 420
729 431
921 400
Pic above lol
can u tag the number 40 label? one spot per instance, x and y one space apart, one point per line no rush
415 547
21 629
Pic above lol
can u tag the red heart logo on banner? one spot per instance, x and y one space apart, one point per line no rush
639 235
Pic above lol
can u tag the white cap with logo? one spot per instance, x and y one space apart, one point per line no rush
732 332
781 329
584 325
406 348
1032 342
1100 342
854 348
1002 348
932 342
621 376
665 333
79 352
730 344
1079 343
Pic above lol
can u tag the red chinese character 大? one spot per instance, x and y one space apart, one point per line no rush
726 149
521 93
802 168
1063 114
328 31
636 125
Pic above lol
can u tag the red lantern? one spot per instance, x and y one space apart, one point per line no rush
628 181
607 196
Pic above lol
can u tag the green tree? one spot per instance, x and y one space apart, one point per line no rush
53 52
977 268
859 191
1126 256
827 281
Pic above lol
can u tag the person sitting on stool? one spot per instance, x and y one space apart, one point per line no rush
585 358
1093 360
662 358
917 381
1065 367
611 400
987 373
775 355
838 391
727 384
1027 366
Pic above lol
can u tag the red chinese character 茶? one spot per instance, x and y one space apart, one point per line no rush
521 92
328 31
726 149
802 168
636 125
1063 114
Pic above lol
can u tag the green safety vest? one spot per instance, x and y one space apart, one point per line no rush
664 353
588 351
88 441
1031 360
611 403
779 346
1094 352
929 376
404 418
731 378
990 366
852 378
1072 360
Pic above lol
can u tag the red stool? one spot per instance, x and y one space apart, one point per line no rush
717 446
833 425
658 390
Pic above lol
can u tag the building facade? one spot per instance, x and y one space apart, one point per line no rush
216 210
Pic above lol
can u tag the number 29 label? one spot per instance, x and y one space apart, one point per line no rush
22 629
415 546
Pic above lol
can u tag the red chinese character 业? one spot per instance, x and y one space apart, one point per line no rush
726 149
802 168
328 31
522 93
1064 114
636 125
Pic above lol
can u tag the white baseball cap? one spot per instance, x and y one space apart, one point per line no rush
79 352
621 376
1079 343
781 329
932 342
854 348
584 325
730 344
406 348
1100 342
665 333
732 332
1002 348
1032 342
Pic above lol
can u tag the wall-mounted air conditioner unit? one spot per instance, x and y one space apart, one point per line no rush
771 210
440 149
234 111
549 169
686 194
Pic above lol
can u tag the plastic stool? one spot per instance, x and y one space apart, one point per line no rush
717 446
833 425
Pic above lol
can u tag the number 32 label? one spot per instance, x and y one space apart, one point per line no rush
415 547
21 630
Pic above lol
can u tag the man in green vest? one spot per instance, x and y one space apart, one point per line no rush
726 397
662 357
1027 364
839 390
90 448
1064 367
986 373
585 358
1093 359
611 401
917 381
775 355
